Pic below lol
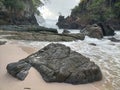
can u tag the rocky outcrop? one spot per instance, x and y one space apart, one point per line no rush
7 19
67 23
93 31
40 35
58 63
27 28
18 12
89 12
74 23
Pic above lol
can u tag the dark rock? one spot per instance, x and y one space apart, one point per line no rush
2 42
61 18
93 44
65 31
67 23
107 29
114 39
74 25
93 31
58 63
19 69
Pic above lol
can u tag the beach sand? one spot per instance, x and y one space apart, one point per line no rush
12 53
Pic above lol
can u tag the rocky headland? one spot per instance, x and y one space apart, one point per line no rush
105 14
19 12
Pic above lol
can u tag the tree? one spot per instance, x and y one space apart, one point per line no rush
116 9
14 5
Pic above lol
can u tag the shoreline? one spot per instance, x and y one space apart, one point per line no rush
12 53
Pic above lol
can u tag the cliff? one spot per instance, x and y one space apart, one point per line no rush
18 12
92 11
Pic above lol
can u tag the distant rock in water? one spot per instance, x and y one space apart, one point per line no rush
93 31
65 31
114 39
58 63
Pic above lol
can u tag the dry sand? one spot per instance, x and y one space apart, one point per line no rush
12 53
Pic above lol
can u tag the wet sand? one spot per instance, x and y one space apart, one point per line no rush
12 53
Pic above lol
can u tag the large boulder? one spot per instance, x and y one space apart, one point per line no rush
58 63
19 69
93 31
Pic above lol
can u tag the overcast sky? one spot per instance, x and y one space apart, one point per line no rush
52 9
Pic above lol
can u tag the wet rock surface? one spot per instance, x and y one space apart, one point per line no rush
58 63
19 69
41 36
28 28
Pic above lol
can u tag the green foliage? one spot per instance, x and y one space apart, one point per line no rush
14 4
116 9
19 5
80 8
36 4
1 3
98 10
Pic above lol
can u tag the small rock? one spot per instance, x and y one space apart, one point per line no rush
93 44
65 31
114 39
2 42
